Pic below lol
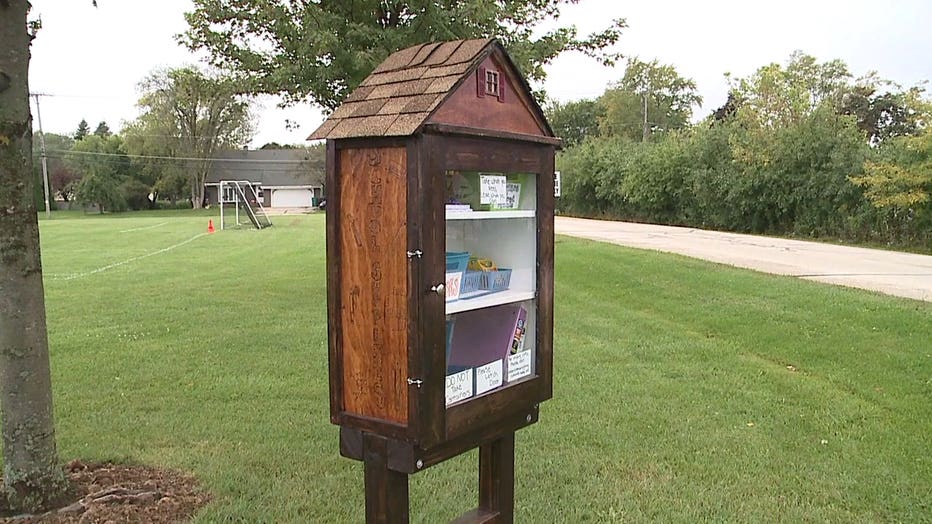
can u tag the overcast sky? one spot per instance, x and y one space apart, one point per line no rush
91 60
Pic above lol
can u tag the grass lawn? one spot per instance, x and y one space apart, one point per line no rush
684 390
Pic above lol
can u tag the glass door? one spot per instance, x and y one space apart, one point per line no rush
490 282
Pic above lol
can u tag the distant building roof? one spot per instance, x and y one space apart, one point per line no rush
270 167
404 90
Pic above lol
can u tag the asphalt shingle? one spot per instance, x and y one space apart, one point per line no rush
400 94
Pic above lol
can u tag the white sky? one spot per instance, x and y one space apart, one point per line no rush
91 60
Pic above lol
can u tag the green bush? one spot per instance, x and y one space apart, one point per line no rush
179 204
135 194
795 180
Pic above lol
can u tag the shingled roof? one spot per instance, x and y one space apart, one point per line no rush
402 91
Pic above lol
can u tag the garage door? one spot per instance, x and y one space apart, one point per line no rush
291 198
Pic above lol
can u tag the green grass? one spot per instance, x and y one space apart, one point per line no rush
674 399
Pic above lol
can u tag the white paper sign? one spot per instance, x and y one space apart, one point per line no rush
512 195
459 386
557 184
492 190
489 376
519 365
452 286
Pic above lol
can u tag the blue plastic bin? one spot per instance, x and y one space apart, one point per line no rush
457 261
486 281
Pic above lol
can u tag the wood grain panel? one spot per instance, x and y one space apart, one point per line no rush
374 287
465 108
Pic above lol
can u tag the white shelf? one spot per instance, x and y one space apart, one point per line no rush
492 299
487 215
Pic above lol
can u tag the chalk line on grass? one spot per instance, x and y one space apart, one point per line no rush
142 228
128 260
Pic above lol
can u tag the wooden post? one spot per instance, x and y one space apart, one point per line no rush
496 484
497 478
386 490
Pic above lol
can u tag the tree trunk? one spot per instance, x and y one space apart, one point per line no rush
33 479
196 198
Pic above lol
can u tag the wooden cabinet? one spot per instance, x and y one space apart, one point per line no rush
399 333
440 270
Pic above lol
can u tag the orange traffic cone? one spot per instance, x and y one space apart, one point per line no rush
210 226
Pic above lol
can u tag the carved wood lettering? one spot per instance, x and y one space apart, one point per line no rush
374 287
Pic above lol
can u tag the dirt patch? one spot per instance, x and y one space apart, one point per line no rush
111 493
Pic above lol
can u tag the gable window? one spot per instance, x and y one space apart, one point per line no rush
491 83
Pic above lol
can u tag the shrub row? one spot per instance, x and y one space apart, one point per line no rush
793 180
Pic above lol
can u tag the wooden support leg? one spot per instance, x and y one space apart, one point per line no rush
386 490
497 478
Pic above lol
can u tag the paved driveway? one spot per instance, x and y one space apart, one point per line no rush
893 273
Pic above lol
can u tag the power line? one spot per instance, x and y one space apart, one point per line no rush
292 169
101 96
156 157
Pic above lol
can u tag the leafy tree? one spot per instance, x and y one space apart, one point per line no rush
172 183
777 96
899 183
54 143
101 155
884 110
135 194
667 98
320 51
103 130
786 154
32 477
61 177
575 121
191 115
276 145
100 189
103 166
82 131
728 110
62 180
149 171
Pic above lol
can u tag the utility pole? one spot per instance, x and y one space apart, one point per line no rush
646 130
43 157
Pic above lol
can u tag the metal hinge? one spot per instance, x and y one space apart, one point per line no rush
415 382
415 253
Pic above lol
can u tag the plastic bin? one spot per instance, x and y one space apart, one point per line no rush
456 268
478 283
457 261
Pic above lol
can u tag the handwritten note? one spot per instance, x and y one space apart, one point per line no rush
512 195
459 386
452 286
489 376
519 365
492 190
